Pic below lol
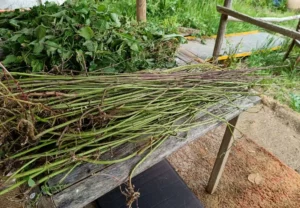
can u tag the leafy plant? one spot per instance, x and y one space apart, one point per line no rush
295 102
83 35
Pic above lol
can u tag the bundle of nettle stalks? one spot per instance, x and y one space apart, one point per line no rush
53 123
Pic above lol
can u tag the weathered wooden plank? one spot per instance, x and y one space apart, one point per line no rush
92 187
179 62
221 31
182 54
266 25
45 202
188 57
269 19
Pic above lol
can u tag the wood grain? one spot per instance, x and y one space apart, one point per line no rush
269 19
188 57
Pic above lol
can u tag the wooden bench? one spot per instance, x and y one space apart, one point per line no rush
88 182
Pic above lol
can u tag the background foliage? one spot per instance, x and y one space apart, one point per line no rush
83 35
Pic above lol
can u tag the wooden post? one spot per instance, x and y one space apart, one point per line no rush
292 44
221 157
141 10
221 31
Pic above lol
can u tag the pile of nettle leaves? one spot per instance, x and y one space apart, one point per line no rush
82 35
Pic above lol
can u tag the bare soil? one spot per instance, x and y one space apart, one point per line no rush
11 200
274 127
280 185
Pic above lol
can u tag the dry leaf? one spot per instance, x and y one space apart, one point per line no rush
255 178
251 151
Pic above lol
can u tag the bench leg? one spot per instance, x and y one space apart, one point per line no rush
292 44
221 157
286 55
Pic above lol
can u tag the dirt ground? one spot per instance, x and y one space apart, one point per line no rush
272 127
267 138
10 200
278 185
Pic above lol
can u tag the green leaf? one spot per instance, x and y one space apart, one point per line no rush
15 37
79 57
31 183
59 14
89 53
109 70
102 25
51 47
38 48
101 8
10 59
14 23
93 66
26 31
90 45
40 32
66 55
86 32
174 36
46 190
88 22
115 18
5 33
37 65
134 47
83 11
22 39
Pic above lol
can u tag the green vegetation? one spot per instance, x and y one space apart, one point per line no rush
282 79
50 124
201 14
83 36
92 35
108 37
295 102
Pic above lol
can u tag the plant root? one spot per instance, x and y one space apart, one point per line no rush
130 194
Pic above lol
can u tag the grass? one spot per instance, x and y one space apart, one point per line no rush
201 14
295 102
282 82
